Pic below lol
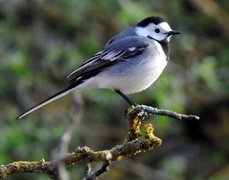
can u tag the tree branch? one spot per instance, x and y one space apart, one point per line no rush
139 140
142 109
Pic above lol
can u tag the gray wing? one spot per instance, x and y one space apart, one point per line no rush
115 52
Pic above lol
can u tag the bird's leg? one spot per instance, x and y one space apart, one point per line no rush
130 102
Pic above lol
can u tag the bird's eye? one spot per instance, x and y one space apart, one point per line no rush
157 30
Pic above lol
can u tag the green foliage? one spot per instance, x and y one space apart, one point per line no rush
41 42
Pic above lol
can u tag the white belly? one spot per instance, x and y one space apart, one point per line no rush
139 78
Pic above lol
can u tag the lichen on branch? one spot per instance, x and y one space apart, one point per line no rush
139 139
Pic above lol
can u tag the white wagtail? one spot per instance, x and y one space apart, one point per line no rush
130 62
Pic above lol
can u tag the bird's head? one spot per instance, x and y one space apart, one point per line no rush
155 28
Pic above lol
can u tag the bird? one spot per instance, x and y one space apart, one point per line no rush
130 62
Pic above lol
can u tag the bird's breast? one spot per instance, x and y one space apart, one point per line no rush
146 72
135 74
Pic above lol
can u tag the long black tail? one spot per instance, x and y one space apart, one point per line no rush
56 96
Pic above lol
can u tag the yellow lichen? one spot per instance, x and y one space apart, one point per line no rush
149 131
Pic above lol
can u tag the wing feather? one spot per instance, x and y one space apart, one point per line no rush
115 53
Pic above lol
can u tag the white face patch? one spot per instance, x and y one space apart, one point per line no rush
142 31
157 32
164 26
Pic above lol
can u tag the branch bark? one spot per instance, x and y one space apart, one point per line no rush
139 139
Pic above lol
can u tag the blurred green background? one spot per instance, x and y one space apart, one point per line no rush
41 42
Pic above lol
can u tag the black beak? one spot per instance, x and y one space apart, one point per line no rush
171 33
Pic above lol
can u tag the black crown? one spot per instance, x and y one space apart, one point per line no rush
152 19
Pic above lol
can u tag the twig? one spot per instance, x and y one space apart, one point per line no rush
143 109
93 175
138 141
104 168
